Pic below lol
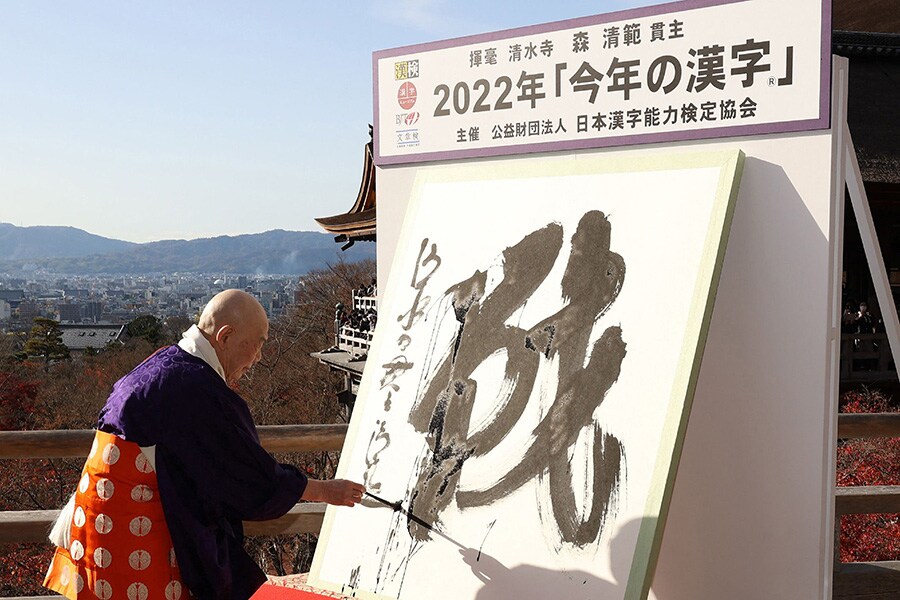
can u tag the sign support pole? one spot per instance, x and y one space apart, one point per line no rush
830 524
863 213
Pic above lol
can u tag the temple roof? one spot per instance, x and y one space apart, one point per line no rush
358 223
80 337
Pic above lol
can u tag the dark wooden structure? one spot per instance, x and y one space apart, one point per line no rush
358 223
867 32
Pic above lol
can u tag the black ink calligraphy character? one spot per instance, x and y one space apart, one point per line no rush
417 310
590 284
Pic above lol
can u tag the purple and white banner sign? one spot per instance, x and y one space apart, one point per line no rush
679 71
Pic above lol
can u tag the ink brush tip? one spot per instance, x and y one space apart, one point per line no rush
396 506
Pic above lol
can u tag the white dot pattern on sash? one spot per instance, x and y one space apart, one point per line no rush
76 550
103 589
141 493
173 590
139 560
142 464
111 454
93 449
103 524
105 489
102 557
93 553
140 526
137 591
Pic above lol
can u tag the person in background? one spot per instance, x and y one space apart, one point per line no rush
176 466
865 322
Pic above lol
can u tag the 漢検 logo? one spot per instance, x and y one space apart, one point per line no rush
406 69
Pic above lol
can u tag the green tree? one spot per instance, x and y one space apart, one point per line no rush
45 341
147 327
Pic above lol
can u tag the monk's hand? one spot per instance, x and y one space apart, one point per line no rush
340 492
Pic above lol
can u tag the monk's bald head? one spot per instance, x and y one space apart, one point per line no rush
231 307
235 324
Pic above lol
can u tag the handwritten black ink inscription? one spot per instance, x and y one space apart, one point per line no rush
591 283
393 371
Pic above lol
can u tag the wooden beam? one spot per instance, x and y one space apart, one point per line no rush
303 518
302 438
26 525
868 425
33 525
76 443
867 581
867 500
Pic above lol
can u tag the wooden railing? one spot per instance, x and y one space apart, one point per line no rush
354 341
871 580
75 443
33 525
857 581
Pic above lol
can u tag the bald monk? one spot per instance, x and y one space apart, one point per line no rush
175 467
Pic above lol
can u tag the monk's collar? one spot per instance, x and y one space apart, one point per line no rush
193 342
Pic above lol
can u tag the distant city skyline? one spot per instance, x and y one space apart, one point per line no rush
169 120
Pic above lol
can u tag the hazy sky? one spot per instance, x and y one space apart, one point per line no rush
152 120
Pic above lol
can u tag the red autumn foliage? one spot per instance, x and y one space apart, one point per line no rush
867 462
18 399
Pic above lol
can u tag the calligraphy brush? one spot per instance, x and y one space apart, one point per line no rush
395 506
398 507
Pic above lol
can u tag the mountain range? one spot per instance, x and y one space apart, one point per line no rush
71 251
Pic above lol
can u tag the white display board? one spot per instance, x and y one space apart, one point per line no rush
531 376
681 70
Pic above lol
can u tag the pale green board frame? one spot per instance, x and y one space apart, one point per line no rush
730 164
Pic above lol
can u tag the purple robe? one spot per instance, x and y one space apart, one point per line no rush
211 470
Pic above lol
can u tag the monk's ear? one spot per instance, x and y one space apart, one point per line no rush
223 333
